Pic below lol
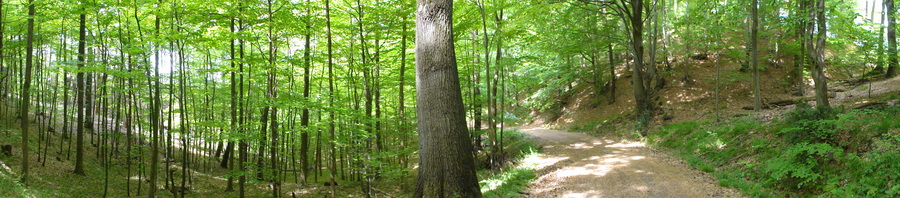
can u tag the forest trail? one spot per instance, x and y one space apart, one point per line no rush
579 165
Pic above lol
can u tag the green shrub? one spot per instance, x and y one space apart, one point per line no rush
809 125
811 152
802 165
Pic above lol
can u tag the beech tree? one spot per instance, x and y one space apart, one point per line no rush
447 168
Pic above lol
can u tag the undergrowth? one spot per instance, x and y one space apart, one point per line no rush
511 179
811 152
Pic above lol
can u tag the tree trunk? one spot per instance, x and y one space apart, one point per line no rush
229 150
304 119
492 139
400 100
642 102
612 75
754 53
497 150
331 96
155 114
79 140
891 36
272 97
242 110
800 56
26 90
817 50
3 69
445 152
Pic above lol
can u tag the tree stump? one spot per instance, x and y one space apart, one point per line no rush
6 150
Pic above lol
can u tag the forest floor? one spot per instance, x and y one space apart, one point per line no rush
579 165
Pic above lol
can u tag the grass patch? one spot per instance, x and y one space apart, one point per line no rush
512 179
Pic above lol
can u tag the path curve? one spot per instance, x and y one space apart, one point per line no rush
579 165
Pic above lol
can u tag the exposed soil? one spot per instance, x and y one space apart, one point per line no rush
579 165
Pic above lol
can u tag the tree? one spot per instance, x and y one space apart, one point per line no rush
754 53
891 36
304 119
79 140
630 12
331 93
816 25
155 108
447 164
632 16
26 90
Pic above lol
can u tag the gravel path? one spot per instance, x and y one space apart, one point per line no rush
579 165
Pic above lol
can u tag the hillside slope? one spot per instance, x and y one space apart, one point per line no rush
690 94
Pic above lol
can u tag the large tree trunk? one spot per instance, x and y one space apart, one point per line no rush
447 166
641 98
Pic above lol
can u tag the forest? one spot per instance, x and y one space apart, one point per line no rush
442 98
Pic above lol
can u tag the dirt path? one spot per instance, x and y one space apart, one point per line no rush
579 165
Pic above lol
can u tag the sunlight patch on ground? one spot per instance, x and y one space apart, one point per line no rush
300 192
688 96
601 168
592 193
641 188
543 161
626 145
580 146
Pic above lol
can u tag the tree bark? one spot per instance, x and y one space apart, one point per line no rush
445 152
